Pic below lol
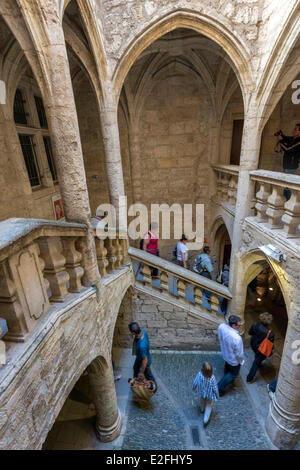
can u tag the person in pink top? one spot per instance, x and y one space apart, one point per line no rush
151 245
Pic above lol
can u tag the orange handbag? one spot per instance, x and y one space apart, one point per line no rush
266 346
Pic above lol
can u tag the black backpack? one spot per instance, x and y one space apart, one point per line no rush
174 252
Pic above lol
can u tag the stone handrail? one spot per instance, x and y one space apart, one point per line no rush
111 249
41 264
184 278
271 205
227 182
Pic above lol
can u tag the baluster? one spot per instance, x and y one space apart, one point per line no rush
42 265
164 282
219 187
262 196
10 308
73 267
119 254
111 253
214 303
124 244
232 190
275 208
146 275
101 256
181 286
225 188
198 296
291 217
55 270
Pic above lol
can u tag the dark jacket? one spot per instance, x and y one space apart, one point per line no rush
259 331
291 149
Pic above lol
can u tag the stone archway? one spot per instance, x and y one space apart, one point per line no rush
195 21
283 421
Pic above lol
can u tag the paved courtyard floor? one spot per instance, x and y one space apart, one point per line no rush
171 420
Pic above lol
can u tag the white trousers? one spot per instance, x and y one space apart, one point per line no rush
206 408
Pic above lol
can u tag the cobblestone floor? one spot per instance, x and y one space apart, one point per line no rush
168 422
171 420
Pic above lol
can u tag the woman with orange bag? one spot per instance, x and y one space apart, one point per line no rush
262 342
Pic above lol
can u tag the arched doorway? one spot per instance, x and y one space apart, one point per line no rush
181 97
264 295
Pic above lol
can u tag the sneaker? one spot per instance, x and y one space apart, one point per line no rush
221 393
251 381
271 394
117 377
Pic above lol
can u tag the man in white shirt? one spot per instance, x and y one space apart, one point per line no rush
182 252
232 351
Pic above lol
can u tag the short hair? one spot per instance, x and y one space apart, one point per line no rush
207 370
266 318
134 327
234 320
183 237
206 249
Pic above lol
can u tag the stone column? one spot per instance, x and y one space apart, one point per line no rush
111 140
283 422
135 162
101 379
65 138
245 195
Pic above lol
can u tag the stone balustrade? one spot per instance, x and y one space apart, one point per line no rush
271 205
111 248
41 265
227 182
178 283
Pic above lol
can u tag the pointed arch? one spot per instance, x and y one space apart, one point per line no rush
204 25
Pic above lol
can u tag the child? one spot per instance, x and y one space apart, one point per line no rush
207 390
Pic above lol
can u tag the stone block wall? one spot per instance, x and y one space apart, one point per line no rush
168 325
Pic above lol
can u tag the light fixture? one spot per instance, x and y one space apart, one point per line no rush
271 288
273 252
259 299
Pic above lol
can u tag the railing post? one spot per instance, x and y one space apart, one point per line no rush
164 282
119 252
291 217
73 263
111 253
198 296
146 275
262 196
214 303
101 256
55 270
181 286
275 208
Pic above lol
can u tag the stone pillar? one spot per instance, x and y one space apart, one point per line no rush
111 140
134 148
283 422
65 138
101 379
245 195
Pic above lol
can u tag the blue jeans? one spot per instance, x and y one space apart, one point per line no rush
258 359
287 192
207 293
230 373
148 374
272 385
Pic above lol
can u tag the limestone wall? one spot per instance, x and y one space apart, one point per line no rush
168 325
41 373
285 116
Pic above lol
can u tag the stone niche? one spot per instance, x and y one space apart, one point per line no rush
23 293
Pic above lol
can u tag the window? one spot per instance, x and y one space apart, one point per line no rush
41 111
20 115
27 145
51 163
236 143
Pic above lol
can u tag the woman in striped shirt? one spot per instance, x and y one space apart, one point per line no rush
206 387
